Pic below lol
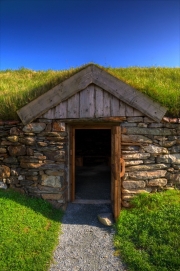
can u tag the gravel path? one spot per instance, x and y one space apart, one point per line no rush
86 244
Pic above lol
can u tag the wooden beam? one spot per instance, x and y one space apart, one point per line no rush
56 95
80 81
95 120
128 94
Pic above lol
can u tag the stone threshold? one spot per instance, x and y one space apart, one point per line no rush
91 201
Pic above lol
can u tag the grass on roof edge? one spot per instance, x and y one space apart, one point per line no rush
160 84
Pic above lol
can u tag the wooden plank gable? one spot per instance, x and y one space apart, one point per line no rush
92 102
55 100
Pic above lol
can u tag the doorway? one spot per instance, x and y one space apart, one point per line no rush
92 164
95 164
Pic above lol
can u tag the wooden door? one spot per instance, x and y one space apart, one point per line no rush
115 170
72 163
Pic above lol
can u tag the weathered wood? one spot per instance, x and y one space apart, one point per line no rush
79 82
129 110
107 104
56 95
87 102
128 94
72 163
95 120
115 170
99 97
114 106
73 106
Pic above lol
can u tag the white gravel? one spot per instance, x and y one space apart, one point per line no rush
85 244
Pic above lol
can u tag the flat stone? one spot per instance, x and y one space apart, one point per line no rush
15 131
146 167
10 160
34 127
136 156
149 131
167 144
28 159
155 125
50 134
175 149
158 182
4 171
169 158
147 175
135 138
52 196
173 177
30 165
17 150
130 148
3 185
30 151
154 149
176 166
135 119
55 155
133 162
106 219
2 150
27 140
52 181
126 204
54 173
49 190
42 144
53 166
13 138
133 184
136 191
55 139
58 126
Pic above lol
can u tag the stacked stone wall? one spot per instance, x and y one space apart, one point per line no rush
152 156
33 159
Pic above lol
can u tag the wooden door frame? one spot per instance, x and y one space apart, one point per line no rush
115 161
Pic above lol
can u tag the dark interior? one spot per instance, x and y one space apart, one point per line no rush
92 159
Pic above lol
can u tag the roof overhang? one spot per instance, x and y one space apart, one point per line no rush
79 81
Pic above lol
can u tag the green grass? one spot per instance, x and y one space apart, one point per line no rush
148 235
29 231
19 87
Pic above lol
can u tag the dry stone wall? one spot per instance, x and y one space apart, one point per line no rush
152 156
32 159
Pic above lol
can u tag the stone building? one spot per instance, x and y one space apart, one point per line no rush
90 125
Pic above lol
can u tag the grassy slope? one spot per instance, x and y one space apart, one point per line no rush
29 232
148 235
19 87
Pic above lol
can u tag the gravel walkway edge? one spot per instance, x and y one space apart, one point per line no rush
85 244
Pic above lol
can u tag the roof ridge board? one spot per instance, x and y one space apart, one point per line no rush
57 94
128 94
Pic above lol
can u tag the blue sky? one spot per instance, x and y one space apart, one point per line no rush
59 34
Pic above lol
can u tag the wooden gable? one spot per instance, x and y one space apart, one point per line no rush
92 102
90 93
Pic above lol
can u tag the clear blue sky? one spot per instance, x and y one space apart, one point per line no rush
59 34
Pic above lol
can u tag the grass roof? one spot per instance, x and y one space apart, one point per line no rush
19 87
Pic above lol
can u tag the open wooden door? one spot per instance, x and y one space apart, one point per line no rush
72 163
115 170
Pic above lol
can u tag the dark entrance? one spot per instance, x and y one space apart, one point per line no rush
93 164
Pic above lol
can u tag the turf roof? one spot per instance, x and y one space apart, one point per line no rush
19 87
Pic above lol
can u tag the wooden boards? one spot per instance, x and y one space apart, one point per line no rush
82 81
91 103
115 170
